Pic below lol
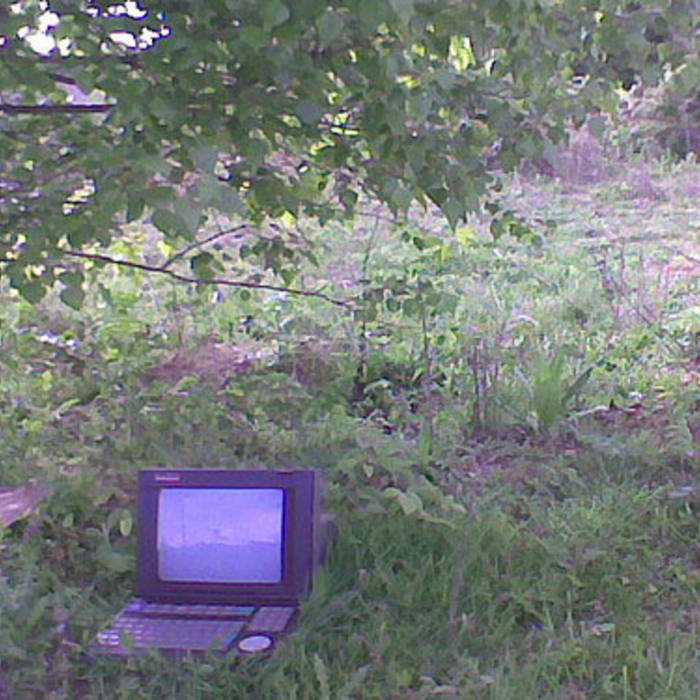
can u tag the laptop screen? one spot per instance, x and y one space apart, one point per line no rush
220 535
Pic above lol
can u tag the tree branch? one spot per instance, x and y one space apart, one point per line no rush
195 280
199 244
56 109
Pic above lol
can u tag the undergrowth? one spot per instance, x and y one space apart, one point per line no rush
509 423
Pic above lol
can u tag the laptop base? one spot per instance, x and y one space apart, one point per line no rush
143 627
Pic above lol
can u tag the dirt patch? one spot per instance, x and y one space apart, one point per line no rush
212 362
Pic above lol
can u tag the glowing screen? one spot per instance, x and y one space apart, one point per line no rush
220 535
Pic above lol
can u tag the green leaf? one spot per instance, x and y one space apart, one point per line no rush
372 14
114 561
168 222
404 9
274 13
162 108
348 199
330 26
455 210
201 266
157 196
206 158
467 236
33 292
135 206
409 501
72 294
125 523
288 276
309 113
190 214
223 196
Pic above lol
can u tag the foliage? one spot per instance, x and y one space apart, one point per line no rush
478 555
184 113
508 417
663 119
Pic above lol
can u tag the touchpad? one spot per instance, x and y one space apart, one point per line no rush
254 643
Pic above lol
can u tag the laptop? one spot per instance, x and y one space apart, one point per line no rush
225 559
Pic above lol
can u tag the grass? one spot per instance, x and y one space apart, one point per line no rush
510 429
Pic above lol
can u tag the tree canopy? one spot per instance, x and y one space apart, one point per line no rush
172 110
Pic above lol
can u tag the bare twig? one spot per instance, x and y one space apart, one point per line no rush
198 244
679 252
195 280
364 339
56 109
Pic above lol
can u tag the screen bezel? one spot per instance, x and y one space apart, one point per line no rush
298 536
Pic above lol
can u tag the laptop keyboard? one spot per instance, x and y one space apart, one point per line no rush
198 635
185 626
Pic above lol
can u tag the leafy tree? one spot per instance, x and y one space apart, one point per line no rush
173 110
